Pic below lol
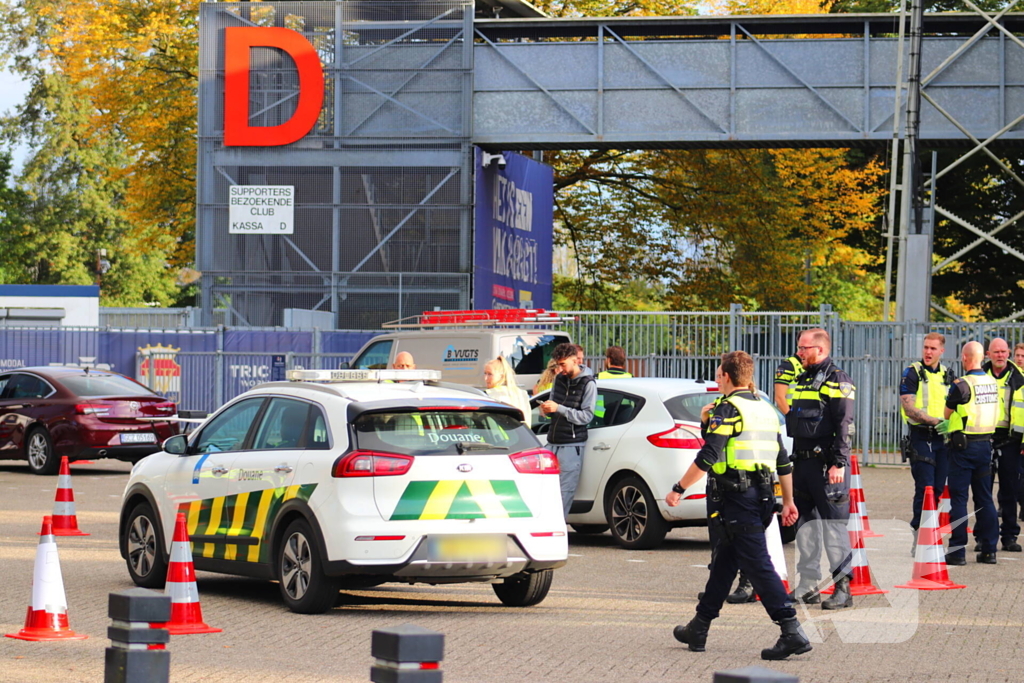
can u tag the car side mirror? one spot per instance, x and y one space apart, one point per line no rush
176 445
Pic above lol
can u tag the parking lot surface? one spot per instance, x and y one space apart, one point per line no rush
609 616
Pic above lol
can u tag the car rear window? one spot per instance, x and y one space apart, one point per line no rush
104 385
440 432
687 407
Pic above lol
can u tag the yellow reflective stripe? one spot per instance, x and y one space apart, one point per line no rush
194 508
484 496
440 500
261 521
216 510
290 492
237 519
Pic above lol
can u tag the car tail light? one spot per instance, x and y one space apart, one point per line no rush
167 407
537 461
677 437
372 464
92 409
547 534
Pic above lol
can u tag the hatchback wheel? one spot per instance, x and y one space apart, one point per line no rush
147 564
304 586
39 450
633 515
524 589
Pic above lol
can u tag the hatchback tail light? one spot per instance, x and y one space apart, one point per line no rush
537 461
92 409
372 464
677 437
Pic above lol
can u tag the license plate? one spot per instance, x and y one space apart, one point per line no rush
466 548
778 490
138 437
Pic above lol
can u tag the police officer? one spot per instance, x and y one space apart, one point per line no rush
923 390
785 376
614 364
743 446
819 421
1005 441
972 411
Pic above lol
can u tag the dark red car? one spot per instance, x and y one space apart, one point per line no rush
49 412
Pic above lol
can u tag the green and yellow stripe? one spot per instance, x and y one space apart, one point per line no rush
461 499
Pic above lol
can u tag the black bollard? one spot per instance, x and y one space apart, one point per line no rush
406 654
137 652
753 674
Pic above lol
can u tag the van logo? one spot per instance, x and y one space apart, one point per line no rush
454 355
465 467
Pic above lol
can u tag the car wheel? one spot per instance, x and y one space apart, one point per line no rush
147 564
39 450
589 528
304 586
524 589
633 515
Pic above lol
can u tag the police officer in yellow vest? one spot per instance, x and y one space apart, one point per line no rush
923 390
742 449
785 378
972 411
614 364
1005 441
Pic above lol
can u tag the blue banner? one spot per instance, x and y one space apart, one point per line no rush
513 240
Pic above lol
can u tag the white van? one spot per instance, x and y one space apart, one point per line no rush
460 351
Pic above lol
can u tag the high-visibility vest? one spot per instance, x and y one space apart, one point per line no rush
1005 397
932 389
614 373
981 413
1017 411
757 444
797 369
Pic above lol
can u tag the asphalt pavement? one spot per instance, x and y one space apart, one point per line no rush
609 616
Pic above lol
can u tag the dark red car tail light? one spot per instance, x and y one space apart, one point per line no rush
679 436
535 461
372 464
92 409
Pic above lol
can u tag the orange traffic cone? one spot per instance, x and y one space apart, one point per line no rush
186 613
47 617
930 562
945 507
65 521
860 579
857 494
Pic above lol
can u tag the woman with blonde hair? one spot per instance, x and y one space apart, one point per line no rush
500 383
547 378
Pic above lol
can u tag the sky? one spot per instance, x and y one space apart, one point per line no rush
12 92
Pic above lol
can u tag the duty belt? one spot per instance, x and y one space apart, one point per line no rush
924 431
808 455
979 437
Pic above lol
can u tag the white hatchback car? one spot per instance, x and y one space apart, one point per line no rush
353 478
643 437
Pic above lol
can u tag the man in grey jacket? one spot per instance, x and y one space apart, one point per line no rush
571 408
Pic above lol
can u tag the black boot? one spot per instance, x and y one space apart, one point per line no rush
841 597
805 593
744 592
793 641
694 634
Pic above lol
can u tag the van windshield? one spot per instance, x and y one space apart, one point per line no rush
442 432
529 353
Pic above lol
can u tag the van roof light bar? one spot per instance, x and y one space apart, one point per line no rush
333 376
497 317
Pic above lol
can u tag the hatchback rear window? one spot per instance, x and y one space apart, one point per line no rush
442 432
687 407
104 385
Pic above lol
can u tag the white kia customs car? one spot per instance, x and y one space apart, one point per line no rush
644 435
353 478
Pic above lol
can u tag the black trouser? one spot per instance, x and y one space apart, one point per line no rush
826 508
741 545
1008 471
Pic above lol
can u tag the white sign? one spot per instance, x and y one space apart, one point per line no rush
261 210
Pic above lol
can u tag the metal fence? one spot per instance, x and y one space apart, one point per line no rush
662 344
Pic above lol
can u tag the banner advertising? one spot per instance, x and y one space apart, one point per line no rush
514 214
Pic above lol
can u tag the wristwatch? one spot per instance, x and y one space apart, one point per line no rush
676 488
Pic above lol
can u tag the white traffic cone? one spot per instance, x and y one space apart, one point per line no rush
773 537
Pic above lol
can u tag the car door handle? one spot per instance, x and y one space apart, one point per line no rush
283 469
218 470
602 447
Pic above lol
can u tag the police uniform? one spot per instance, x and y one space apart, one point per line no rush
742 447
928 459
974 401
820 422
1006 452
786 373
613 373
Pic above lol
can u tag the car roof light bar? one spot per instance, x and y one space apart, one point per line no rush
481 318
331 376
